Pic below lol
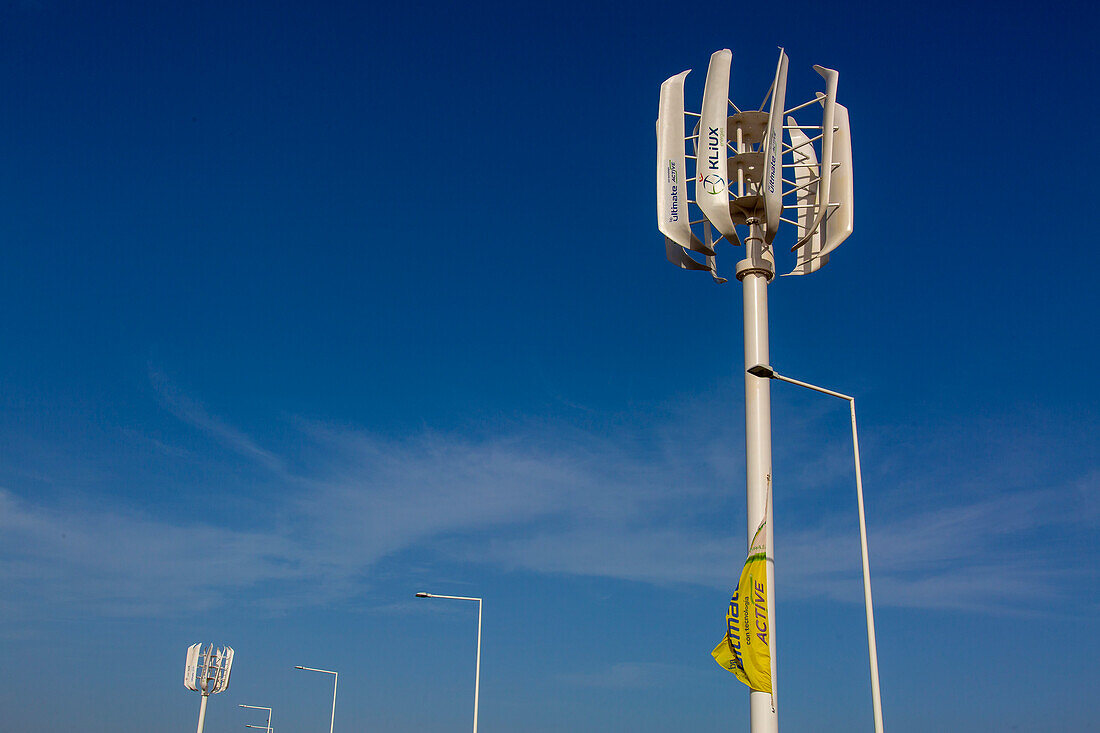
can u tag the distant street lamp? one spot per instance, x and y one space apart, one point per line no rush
263 727
335 680
766 372
477 668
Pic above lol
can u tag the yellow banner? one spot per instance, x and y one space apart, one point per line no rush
745 649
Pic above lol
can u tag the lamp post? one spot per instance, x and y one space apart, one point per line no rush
258 707
477 668
335 681
764 371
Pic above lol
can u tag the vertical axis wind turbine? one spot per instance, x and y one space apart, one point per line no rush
739 180
207 672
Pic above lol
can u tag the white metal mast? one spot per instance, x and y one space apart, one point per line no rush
754 272
747 189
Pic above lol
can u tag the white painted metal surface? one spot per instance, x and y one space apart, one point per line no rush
202 714
827 121
206 671
868 603
259 707
754 275
676 255
772 184
821 194
191 667
335 681
477 666
841 218
672 178
711 174
805 167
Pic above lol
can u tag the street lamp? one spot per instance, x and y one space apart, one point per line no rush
263 727
335 680
477 669
766 372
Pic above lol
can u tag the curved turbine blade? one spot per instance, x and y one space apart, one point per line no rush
224 668
712 262
677 256
672 202
828 120
838 227
773 152
712 177
191 667
805 173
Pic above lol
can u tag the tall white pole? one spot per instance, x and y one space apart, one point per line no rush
477 669
335 681
868 606
202 713
754 272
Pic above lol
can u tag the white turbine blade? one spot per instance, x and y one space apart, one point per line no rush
672 202
712 261
677 256
226 665
190 669
773 152
805 175
712 178
828 101
838 227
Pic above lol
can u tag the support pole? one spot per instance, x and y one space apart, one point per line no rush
754 272
765 372
868 604
202 712
332 720
477 668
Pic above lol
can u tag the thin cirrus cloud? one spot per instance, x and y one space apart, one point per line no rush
548 499
631 676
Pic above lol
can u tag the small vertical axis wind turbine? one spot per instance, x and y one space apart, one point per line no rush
744 179
207 672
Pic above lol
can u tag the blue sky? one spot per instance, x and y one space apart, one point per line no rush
306 308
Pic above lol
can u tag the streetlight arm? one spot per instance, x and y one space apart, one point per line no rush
765 371
453 598
814 387
314 669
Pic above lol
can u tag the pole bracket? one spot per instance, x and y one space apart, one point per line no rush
757 266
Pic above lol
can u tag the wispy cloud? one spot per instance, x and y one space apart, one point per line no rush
553 499
631 676
125 564
190 411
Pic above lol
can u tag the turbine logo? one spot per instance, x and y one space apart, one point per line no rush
714 184
771 168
